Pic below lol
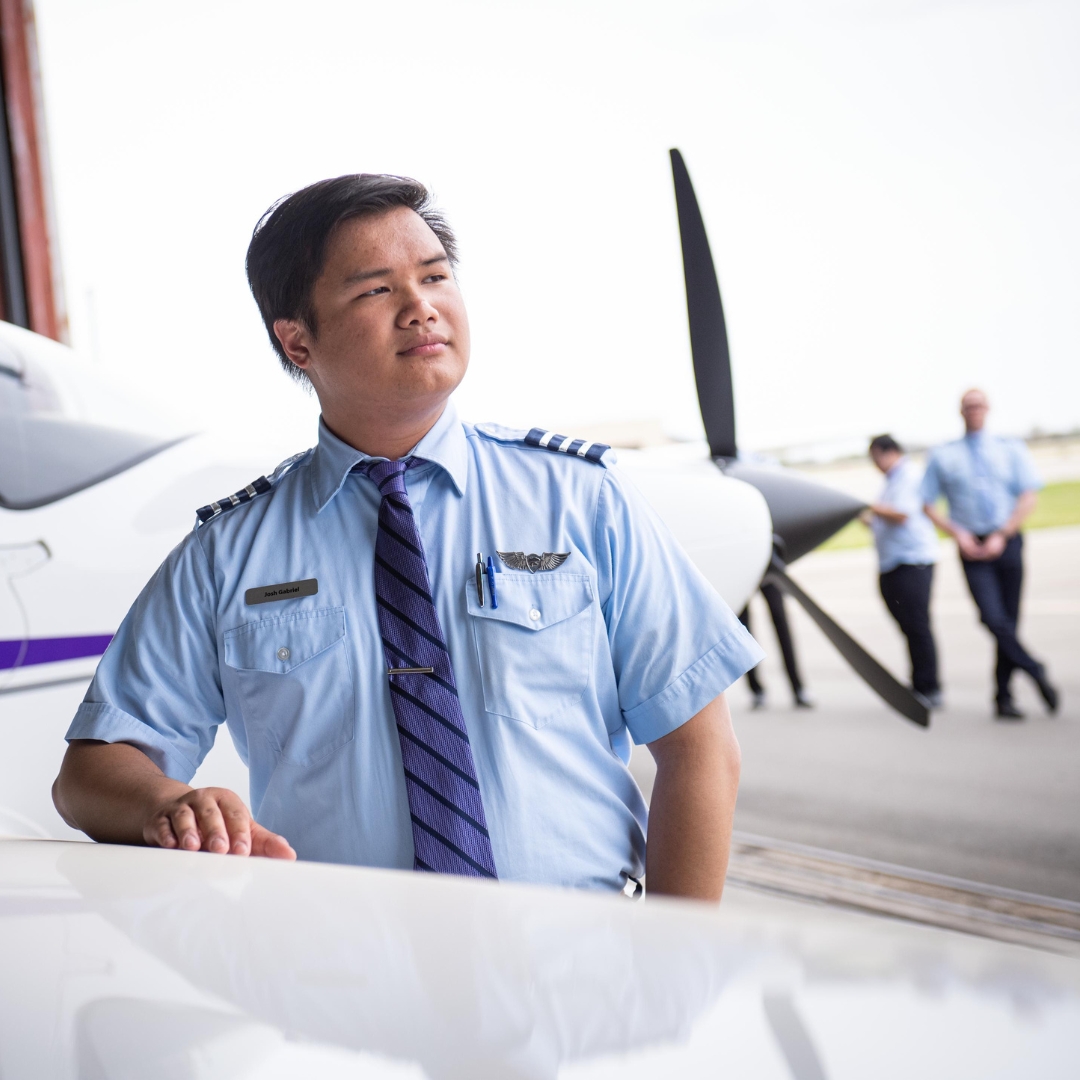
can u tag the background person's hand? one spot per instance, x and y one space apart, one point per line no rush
993 546
970 547
212 819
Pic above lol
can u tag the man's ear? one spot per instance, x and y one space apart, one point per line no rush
294 337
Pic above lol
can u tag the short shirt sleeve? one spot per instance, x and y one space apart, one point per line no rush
675 643
1024 476
158 684
931 482
907 494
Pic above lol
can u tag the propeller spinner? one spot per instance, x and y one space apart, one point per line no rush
804 513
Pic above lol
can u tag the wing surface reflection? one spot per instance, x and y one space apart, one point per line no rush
468 981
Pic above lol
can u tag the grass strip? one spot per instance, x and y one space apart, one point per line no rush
1059 504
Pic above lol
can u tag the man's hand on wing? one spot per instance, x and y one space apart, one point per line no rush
212 819
117 795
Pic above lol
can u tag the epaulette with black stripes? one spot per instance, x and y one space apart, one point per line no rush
245 494
248 492
561 444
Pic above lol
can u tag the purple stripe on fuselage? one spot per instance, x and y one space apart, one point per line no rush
51 649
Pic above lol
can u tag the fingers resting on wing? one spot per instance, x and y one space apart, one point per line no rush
269 844
185 827
238 825
212 831
216 820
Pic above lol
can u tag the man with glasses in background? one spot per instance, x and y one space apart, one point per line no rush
990 486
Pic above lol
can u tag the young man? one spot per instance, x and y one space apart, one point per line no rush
907 549
401 700
991 488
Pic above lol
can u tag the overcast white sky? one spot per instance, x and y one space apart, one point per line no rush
890 190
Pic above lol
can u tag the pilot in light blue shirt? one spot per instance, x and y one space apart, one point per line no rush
912 542
981 476
624 641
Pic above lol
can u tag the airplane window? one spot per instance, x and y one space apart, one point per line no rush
45 456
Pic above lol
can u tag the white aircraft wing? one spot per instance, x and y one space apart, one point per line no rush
124 962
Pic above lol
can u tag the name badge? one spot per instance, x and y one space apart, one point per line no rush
289 590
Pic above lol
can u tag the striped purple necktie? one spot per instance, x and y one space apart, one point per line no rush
449 828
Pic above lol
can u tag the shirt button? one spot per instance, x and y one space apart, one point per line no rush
283 653
534 614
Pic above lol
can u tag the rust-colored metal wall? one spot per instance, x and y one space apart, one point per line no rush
29 237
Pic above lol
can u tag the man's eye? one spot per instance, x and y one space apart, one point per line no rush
376 291
435 277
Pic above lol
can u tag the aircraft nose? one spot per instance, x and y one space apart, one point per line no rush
804 513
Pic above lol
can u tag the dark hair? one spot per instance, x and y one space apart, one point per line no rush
288 247
884 444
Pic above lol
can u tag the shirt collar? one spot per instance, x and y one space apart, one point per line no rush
444 445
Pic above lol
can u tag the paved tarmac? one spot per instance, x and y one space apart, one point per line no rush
973 797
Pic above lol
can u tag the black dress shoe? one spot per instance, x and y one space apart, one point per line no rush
803 700
931 699
1049 692
1006 710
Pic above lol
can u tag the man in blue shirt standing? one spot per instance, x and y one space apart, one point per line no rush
991 487
433 643
907 548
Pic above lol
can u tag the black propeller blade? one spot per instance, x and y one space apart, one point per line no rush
708 331
872 673
804 514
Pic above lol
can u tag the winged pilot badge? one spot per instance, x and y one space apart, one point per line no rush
518 560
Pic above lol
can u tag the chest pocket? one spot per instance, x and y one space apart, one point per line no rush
291 674
536 647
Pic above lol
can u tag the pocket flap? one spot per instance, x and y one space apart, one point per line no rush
534 601
284 642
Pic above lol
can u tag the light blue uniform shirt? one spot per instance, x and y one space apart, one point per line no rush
981 476
914 542
630 642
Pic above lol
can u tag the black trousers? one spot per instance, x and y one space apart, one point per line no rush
996 586
906 592
775 599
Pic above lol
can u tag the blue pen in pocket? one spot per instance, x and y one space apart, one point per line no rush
491 582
